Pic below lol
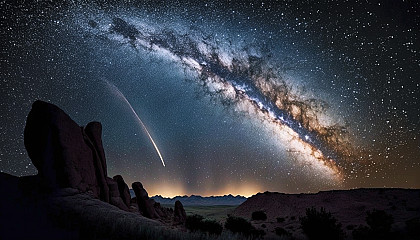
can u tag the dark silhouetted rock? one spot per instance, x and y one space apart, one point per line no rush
93 131
146 205
114 194
56 146
179 214
66 155
123 189
164 213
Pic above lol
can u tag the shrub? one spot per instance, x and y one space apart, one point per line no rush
282 232
242 226
379 221
413 226
320 225
259 215
350 227
379 226
361 232
196 223
238 225
257 233
280 219
193 222
212 227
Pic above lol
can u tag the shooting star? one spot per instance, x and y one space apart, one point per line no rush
120 95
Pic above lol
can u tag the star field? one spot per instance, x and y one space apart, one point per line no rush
205 77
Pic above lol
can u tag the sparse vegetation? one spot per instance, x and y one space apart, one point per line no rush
350 227
320 225
217 213
413 227
379 226
196 223
361 232
193 222
242 226
212 227
282 232
238 225
379 221
259 215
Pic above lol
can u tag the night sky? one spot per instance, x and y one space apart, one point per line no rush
240 98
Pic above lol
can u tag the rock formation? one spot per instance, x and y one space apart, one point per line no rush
57 148
123 189
94 132
114 194
68 156
146 205
179 214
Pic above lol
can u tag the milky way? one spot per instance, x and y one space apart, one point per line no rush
243 79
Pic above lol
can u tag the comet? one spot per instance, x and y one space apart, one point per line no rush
121 96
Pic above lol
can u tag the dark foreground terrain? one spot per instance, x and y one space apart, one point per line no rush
350 209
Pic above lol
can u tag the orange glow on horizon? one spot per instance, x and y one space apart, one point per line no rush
173 190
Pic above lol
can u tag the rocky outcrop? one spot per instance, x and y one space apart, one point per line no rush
57 148
114 194
179 214
93 131
123 189
146 205
67 155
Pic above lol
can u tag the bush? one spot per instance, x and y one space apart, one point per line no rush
212 227
362 232
321 225
379 221
379 226
413 227
196 223
193 222
280 219
259 215
350 227
257 233
282 232
239 225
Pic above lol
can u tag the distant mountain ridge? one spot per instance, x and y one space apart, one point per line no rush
199 200
196 200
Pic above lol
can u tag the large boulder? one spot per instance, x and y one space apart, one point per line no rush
179 214
65 154
94 132
123 189
114 194
146 205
